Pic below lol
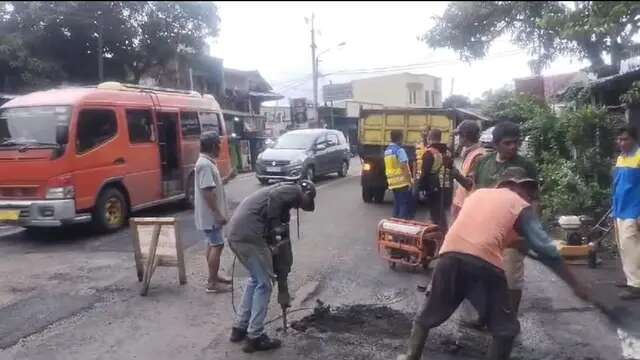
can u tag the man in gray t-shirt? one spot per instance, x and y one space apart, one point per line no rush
210 208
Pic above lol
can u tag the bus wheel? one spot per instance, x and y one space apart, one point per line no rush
111 210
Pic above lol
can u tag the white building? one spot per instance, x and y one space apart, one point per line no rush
401 90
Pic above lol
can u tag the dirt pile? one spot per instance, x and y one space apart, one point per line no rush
360 320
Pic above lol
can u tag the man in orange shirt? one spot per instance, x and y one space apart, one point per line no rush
471 264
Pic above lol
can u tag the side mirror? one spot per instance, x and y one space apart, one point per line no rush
320 146
62 134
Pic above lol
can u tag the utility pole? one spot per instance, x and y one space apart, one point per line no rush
100 59
314 69
100 47
452 83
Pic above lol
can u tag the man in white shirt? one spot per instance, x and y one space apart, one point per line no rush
210 208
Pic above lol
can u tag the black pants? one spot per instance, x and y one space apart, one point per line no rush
460 276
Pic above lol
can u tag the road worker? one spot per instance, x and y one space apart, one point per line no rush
399 181
259 237
429 165
471 263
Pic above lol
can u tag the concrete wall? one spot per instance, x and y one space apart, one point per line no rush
405 90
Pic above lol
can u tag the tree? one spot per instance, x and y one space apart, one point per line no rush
590 30
47 42
456 101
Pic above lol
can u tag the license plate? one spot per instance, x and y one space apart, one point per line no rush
9 214
273 169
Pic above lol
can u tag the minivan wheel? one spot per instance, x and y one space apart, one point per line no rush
263 181
344 170
310 173
111 210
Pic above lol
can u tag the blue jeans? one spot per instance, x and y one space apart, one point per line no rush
404 204
255 300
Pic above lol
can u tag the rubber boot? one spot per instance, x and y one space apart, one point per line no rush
416 343
515 297
500 348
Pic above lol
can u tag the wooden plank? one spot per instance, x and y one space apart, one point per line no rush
182 271
137 253
151 261
154 221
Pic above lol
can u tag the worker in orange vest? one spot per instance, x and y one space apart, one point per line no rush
471 264
429 163
469 137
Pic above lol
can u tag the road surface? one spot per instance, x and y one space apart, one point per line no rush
74 295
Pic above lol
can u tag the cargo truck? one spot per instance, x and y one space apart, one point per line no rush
374 136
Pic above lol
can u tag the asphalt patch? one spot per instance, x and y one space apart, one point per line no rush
34 314
360 320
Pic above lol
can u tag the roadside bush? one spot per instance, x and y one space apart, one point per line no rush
574 153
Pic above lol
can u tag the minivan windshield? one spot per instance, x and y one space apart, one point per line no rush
293 140
32 126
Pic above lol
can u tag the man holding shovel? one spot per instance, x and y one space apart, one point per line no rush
471 264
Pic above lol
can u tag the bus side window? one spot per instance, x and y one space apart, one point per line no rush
95 127
140 126
209 122
221 124
189 124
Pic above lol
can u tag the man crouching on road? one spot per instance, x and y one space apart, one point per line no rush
471 262
256 240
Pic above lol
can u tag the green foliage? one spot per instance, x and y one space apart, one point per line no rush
46 42
632 96
587 29
456 101
573 151
503 105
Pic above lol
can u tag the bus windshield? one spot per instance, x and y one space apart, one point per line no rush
32 126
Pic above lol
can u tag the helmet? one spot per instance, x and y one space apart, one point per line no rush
308 195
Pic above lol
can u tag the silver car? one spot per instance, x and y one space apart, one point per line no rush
304 154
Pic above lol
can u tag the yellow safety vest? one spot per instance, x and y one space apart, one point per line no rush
397 178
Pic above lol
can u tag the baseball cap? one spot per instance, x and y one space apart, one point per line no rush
516 175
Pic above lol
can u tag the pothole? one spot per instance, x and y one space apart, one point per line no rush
366 320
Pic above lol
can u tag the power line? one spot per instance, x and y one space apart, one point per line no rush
415 65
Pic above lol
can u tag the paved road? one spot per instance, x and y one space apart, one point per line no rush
73 295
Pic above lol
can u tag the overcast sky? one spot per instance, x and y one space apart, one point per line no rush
273 38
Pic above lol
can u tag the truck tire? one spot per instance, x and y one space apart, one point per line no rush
111 210
367 194
378 195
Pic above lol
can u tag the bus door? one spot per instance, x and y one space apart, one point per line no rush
169 147
143 177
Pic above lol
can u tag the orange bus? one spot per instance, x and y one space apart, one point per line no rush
99 153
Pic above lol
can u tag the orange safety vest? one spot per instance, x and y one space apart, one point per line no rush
484 227
437 160
469 160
